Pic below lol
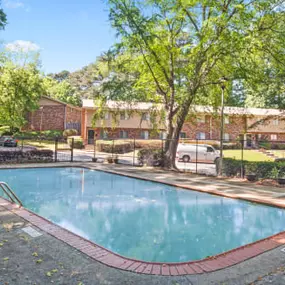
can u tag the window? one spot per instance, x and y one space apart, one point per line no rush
227 120
124 116
201 119
226 137
107 116
163 135
124 134
145 135
275 122
146 117
103 135
201 136
210 149
182 135
273 137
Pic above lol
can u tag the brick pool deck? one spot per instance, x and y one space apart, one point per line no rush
227 188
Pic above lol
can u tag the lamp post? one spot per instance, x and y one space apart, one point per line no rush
41 122
223 87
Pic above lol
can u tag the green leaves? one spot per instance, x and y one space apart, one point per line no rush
20 89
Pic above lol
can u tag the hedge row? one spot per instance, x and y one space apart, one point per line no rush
44 155
263 169
78 142
119 147
35 134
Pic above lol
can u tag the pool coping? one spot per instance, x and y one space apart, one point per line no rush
109 258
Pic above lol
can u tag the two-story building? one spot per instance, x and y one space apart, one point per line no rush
124 120
121 120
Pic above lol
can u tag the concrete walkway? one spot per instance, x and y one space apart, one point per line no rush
45 260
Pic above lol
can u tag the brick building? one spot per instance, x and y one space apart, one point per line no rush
133 120
203 123
54 115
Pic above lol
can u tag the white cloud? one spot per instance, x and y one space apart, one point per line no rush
13 4
22 46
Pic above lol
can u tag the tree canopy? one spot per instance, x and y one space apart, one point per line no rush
20 90
3 18
175 51
61 90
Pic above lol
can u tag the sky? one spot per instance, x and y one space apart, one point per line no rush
69 34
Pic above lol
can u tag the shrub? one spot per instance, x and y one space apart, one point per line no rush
264 144
118 147
231 167
150 144
44 155
70 133
51 134
78 142
278 146
5 131
263 169
150 157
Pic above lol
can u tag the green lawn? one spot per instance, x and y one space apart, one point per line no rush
39 144
250 155
279 153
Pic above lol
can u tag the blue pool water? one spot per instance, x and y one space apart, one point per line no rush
140 219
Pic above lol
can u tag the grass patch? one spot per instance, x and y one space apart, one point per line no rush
279 153
249 155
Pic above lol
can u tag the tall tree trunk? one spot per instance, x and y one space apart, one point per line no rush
173 135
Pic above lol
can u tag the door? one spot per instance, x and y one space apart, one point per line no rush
91 134
248 140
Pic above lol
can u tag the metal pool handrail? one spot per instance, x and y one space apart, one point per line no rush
10 193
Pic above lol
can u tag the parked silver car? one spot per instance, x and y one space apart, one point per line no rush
200 153
8 141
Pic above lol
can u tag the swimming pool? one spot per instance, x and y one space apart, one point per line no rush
140 219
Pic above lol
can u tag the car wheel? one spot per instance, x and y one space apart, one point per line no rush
186 158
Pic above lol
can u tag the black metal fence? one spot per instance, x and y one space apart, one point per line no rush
254 159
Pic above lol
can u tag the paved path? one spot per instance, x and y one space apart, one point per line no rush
46 260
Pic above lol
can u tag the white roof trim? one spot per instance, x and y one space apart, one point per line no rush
89 103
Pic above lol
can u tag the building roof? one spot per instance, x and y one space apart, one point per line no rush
121 105
240 111
89 104
60 102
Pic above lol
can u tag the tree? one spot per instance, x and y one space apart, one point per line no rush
179 49
20 90
61 76
3 18
62 91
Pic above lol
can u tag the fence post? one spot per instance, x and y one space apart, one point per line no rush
113 148
134 153
242 153
72 148
55 149
94 150
196 155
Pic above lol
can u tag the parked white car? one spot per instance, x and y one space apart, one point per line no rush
201 153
